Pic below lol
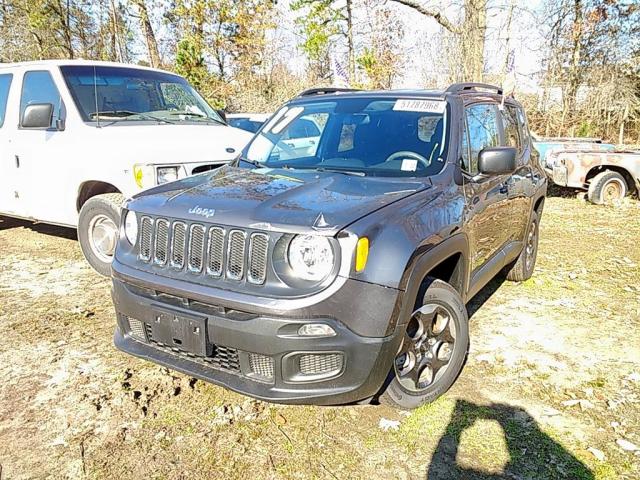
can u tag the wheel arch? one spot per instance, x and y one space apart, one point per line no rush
91 188
447 261
628 178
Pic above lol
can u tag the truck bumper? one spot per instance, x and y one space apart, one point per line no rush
253 353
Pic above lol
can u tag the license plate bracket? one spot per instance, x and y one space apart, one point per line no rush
186 333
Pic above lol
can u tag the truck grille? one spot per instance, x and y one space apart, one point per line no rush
201 249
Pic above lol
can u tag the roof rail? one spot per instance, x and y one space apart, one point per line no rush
461 87
325 91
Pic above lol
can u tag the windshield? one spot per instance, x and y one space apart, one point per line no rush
360 136
116 94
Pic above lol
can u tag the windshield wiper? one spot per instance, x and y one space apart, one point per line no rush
125 114
199 115
255 163
353 173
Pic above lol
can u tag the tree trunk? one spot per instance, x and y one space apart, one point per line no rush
574 75
474 29
351 58
149 35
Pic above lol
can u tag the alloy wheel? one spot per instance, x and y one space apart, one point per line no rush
426 349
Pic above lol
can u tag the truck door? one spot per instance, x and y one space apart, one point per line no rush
487 197
7 167
40 153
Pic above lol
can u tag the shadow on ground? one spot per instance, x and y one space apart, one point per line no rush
531 452
7 223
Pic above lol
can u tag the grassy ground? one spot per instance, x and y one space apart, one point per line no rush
551 386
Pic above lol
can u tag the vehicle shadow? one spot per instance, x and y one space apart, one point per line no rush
485 294
7 223
532 453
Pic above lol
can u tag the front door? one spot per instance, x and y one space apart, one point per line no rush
487 196
39 154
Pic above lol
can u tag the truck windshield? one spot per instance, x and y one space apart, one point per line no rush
359 136
121 94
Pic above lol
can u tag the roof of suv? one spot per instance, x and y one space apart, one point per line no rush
468 91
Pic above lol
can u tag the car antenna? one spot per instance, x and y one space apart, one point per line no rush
95 95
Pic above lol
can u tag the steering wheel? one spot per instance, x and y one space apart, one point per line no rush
408 154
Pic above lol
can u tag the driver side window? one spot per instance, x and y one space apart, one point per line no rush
482 132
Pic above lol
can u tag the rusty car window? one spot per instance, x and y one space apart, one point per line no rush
511 130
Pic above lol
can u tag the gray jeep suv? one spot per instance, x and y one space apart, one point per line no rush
331 262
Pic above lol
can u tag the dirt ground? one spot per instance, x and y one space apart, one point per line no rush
551 388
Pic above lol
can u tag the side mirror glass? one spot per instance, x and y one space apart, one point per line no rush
497 160
37 115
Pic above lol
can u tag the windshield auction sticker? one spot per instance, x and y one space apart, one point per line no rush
415 105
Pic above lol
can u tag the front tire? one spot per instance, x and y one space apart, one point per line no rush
607 187
98 228
433 350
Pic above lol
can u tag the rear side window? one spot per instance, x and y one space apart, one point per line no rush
482 124
524 128
38 87
511 130
5 85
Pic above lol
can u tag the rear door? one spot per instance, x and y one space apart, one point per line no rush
487 196
519 183
7 167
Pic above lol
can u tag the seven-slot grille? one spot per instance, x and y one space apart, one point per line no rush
211 250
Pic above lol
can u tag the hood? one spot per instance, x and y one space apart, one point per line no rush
281 200
171 144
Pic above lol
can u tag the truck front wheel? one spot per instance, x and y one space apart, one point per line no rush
606 187
98 228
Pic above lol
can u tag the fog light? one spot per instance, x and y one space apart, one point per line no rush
316 330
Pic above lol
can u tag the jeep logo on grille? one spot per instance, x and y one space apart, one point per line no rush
204 212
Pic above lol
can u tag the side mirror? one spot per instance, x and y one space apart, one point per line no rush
222 114
37 115
496 160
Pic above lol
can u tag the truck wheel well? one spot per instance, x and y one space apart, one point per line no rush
450 270
91 189
631 184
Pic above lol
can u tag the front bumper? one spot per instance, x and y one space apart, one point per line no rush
259 354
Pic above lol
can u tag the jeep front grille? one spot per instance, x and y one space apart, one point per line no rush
211 251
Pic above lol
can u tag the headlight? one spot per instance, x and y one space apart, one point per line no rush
311 257
167 174
131 227
143 175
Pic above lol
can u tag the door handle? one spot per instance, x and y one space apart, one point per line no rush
17 161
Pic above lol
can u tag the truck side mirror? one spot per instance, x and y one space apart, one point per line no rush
497 160
37 115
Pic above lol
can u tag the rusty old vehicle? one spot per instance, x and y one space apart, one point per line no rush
607 176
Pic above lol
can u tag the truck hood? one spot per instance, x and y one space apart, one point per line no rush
170 144
270 199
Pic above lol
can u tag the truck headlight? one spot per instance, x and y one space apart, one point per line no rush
131 227
167 174
311 257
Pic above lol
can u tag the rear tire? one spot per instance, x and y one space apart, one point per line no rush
98 228
606 187
522 269
433 350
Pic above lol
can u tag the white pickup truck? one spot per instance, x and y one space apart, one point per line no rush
77 137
